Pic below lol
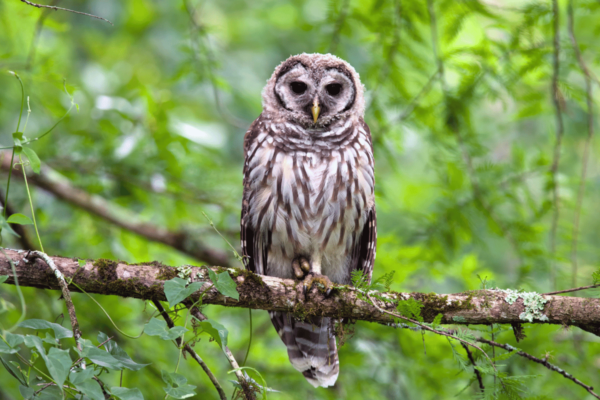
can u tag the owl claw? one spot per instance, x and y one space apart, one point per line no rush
313 279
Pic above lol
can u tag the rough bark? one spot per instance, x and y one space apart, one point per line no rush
145 281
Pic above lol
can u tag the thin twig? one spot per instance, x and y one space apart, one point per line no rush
545 363
64 9
572 290
427 328
247 390
339 24
65 293
586 151
190 351
477 373
557 146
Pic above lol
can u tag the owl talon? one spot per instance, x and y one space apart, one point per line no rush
321 280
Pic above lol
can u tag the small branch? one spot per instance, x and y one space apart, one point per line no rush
586 152
544 362
65 294
572 290
477 373
65 9
558 142
246 388
184 241
191 351
427 328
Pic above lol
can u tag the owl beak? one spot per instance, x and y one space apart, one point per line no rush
315 110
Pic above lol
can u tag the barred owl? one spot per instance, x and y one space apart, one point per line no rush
308 210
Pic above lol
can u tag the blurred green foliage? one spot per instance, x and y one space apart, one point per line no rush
464 144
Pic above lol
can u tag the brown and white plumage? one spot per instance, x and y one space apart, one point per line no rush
309 192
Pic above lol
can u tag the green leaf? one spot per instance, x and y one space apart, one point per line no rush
6 349
3 278
58 363
596 277
91 389
34 160
9 229
26 392
81 265
437 320
51 393
176 290
157 327
226 286
127 394
59 331
216 330
19 219
103 359
81 375
17 136
13 341
411 308
14 371
177 386
118 353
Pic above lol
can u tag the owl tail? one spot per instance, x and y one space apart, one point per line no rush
311 347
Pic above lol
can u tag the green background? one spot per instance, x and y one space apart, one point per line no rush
463 166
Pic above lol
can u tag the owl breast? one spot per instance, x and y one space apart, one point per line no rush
309 194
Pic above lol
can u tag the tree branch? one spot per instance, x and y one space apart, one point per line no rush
145 281
64 9
181 240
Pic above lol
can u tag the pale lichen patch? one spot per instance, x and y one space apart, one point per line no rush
534 304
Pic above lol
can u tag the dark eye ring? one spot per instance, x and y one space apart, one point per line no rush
298 87
333 89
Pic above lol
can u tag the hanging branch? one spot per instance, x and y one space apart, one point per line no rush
557 145
477 372
586 151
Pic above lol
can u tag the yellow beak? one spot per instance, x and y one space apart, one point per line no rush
315 110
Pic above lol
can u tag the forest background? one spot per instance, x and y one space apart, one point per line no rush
486 166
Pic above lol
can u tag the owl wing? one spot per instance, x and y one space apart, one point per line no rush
255 256
365 249
364 252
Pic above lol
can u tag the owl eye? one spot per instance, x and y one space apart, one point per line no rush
298 87
333 89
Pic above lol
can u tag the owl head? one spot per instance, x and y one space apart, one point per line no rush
314 90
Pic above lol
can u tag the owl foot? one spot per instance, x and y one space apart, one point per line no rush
301 267
321 280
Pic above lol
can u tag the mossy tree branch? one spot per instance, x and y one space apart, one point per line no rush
145 281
